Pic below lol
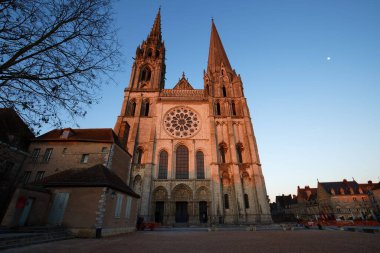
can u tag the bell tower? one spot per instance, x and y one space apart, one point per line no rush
148 70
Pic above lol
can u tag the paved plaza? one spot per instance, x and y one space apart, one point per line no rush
219 241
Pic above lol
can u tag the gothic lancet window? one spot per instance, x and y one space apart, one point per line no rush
125 134
226 202
246 201
145 109
149 54
218 112
146 113
224 91
131 108
139 154
163 165
182 163
233 108
200 165
145 74
239 151
222 152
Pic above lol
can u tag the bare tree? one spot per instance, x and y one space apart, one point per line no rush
54 56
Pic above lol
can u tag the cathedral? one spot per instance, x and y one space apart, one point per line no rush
195 156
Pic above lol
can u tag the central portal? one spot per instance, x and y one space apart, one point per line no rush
181 215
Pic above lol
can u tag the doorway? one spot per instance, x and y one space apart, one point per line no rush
58 208
25 212
159 213
181 215
203 212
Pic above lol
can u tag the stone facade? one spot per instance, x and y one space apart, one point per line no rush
344 200
195 157
76 178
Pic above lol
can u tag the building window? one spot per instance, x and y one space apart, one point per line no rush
146 114
139 155
26 177
125 134
233 109
239 150
224 91
131 108
218 109
35 154
200 165
119 201
163 165
104 149
222 152
128 207
145 109
145 74
39 176
47 155
182 163
149 52
246 201
64 150
84 158
226 202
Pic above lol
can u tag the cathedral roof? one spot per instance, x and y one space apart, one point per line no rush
156 29
95 176
216 55
183 84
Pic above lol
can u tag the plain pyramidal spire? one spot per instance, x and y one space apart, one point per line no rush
156 29
216 55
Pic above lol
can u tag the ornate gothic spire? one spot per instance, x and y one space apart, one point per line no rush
216 54
156 29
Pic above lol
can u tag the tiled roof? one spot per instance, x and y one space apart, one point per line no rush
302 193
90 135
96 176
346 186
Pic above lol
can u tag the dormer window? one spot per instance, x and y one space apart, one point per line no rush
341 191
66 133
332 191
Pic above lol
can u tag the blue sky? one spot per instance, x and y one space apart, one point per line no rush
314 117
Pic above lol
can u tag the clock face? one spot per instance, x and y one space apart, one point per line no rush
182 122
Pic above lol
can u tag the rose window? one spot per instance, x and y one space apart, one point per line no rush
181 122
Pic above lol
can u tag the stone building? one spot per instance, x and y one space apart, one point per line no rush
76 178
344 200
14 141
195 153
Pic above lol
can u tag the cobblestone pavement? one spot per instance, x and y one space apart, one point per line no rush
219 241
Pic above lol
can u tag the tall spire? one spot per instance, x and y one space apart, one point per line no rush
216 54
156 29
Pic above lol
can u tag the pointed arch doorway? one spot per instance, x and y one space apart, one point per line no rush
181 214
